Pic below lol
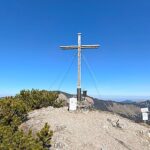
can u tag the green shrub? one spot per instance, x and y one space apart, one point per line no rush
10 140
44 136
18 140
36 99
12 112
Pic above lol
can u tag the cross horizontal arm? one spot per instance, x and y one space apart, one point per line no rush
76 47
89 46
69 47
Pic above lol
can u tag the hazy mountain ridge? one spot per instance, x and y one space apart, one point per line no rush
130 110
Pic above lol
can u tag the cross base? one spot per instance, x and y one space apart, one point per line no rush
79 94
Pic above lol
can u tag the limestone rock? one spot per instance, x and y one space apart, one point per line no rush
63 97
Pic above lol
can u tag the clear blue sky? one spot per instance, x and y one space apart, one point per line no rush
31 32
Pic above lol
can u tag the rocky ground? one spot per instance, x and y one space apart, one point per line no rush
89 130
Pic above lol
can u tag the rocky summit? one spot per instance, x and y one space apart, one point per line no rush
86 130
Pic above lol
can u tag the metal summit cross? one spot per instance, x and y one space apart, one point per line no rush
79 47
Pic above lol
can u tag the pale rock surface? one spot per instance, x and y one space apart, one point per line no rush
89 130
62 97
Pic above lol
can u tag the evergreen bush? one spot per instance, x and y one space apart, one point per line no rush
13 111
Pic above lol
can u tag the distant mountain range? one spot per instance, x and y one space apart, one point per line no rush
127 109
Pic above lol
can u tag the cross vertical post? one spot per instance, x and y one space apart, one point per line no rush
79 47
79 68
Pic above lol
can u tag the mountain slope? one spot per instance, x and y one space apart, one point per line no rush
130 111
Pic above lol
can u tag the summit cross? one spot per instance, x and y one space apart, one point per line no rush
79 47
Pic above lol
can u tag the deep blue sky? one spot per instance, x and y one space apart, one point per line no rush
31 32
